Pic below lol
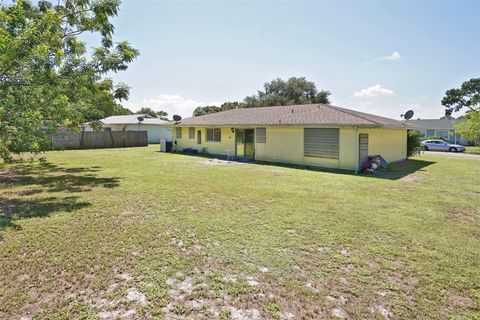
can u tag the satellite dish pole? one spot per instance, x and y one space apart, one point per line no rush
140 119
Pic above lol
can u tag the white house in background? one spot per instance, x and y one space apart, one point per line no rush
443 128
155 127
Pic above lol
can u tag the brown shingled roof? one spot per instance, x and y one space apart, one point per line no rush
310 114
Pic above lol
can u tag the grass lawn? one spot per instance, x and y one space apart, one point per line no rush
474 150
134 233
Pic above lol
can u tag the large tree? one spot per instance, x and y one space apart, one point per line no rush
200 111
203 110
47 76
466 97
293 91
156 114
469 126
275 93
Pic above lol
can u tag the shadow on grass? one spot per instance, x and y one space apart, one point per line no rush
396 170
47 178
52 178
401 169
14 209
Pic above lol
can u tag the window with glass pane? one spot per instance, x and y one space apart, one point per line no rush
178 132
214 135
442 134
191 133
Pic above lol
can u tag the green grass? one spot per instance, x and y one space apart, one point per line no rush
473 150
136 233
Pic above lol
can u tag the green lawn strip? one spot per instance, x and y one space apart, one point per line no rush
473 150
81 235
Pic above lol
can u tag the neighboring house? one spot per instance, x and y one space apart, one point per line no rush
443 128
156 129
317 135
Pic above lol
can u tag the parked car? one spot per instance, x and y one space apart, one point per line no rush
440 145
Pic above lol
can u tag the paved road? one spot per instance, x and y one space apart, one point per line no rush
452 154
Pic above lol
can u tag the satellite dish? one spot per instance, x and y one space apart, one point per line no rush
407 115
140 119
176 117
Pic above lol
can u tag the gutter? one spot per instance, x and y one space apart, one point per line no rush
357 151
254 125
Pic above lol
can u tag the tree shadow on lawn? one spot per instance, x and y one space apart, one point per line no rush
396 170
45 178
14 209
52 178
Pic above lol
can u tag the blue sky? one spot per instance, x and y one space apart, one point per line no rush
379 57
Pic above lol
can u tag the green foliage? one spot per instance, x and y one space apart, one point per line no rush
120 110
467 96
447 117
293 91
276 93
200 111
162 115
47 79
413 143
469 127
225 314
232 105
179 310
273 309
156 114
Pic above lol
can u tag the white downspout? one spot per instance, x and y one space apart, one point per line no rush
357 152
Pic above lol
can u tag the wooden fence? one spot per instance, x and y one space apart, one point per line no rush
99 139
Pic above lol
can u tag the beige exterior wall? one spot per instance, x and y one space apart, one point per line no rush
389 143
285 144
220 148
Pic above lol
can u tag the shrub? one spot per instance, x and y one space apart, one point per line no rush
413 144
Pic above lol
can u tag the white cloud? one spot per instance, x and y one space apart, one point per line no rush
373 91
394 56
171 103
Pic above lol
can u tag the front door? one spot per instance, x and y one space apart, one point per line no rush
199 137
363 142
244 143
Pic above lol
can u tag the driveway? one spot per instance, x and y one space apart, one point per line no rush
452 154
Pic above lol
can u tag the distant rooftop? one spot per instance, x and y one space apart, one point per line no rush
440 124
311 114
132 119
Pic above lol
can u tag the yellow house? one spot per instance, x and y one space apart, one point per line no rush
316 135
